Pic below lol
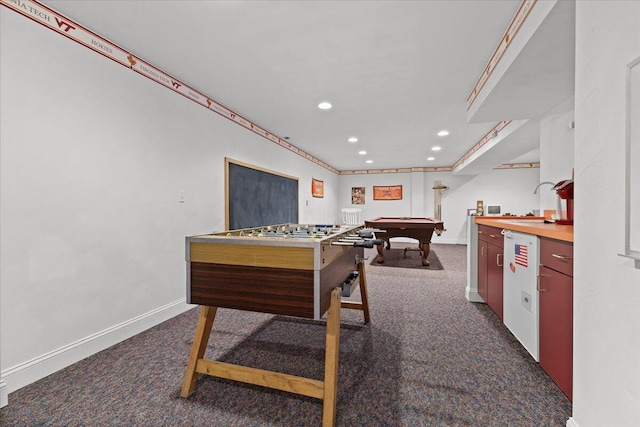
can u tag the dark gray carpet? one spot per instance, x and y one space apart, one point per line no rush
413 259
428 358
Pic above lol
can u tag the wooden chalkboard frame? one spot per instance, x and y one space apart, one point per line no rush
241 195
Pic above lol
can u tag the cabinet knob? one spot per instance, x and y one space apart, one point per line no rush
498 260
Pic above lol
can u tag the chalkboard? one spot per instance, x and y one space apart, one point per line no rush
257 196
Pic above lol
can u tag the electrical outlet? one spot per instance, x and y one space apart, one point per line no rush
525 300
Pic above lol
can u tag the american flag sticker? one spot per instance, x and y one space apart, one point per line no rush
521 255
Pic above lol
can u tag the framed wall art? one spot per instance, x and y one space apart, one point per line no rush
388 192
357 195
317 188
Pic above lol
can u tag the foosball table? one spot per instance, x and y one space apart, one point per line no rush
286 269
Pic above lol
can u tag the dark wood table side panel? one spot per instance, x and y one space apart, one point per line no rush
397 222
334 275
261 289
424 235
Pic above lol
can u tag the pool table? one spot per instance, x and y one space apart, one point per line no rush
420 229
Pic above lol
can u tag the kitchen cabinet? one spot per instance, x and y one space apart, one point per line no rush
555 287
490 267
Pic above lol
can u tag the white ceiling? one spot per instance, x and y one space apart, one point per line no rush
396 72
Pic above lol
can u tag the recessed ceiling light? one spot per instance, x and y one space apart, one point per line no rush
431 158
443 133
362 152
369 161
324 106
436 148
353 139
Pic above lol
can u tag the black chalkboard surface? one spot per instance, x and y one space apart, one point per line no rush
257 196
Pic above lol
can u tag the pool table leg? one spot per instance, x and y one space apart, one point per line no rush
380 258
425 253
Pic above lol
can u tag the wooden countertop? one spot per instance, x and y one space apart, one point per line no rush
531 225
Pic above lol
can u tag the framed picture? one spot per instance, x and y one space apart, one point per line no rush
357 195
389 192
471 212
317 188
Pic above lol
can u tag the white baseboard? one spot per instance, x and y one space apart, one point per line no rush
4 394
472 296
32 370
440 241
571 422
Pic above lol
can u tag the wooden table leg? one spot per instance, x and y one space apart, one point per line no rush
379 248
326 390
332 352
200 340
425 253
363 291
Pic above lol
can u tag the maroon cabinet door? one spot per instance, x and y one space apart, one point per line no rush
556 327
483 255
495 261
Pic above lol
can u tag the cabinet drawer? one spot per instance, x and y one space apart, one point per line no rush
492 235
557 255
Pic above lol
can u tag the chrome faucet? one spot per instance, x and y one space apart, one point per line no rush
542 183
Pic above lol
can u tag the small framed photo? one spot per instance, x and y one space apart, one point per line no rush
317 188
472 212
357 195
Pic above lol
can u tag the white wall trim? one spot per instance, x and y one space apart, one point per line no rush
571 422
4 399
37 368
472 296
442 241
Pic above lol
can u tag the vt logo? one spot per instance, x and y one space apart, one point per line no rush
67 26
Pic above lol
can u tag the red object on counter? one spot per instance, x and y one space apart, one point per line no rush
564 190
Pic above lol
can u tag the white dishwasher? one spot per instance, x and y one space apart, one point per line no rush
520 275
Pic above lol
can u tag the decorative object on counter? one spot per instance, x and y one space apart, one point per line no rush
479 208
